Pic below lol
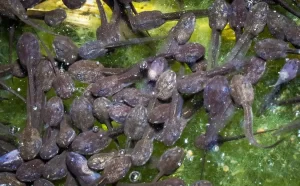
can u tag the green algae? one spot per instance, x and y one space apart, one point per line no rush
235 163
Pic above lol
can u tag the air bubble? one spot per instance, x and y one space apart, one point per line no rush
135 176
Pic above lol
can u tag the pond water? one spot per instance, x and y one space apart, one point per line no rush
234 163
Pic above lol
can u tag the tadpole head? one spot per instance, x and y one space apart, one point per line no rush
269 49
185 28
190 53
289 71
217 14
201 142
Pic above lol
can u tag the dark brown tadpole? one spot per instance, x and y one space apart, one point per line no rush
98 161
279 24
53 112
218 103
74 4
109 33
52 18
132 97
142 151
81 113
191 84
30 170
45 74
55 17
136 122
169 162
179 34
115 169
217 14
65 49
156 68
254 69
49 148
165 85
112 84
243 94
29 54
159 114
237 17
94 49
189 53
118 112
86 71
56 168
270 49
148 20
63 85
66 133
77 165
255 24
91 142
288 72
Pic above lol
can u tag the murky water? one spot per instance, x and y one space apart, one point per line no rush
234 163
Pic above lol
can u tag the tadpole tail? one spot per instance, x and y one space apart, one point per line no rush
203 165
102 12
134 41
293 51
248 129
29 22
12 91
102 181
238 32
222 140
133 8
176 15
157 177
288 7
243 51
294 100
294 125
36 14
11 36
236 49
214 49
268 100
